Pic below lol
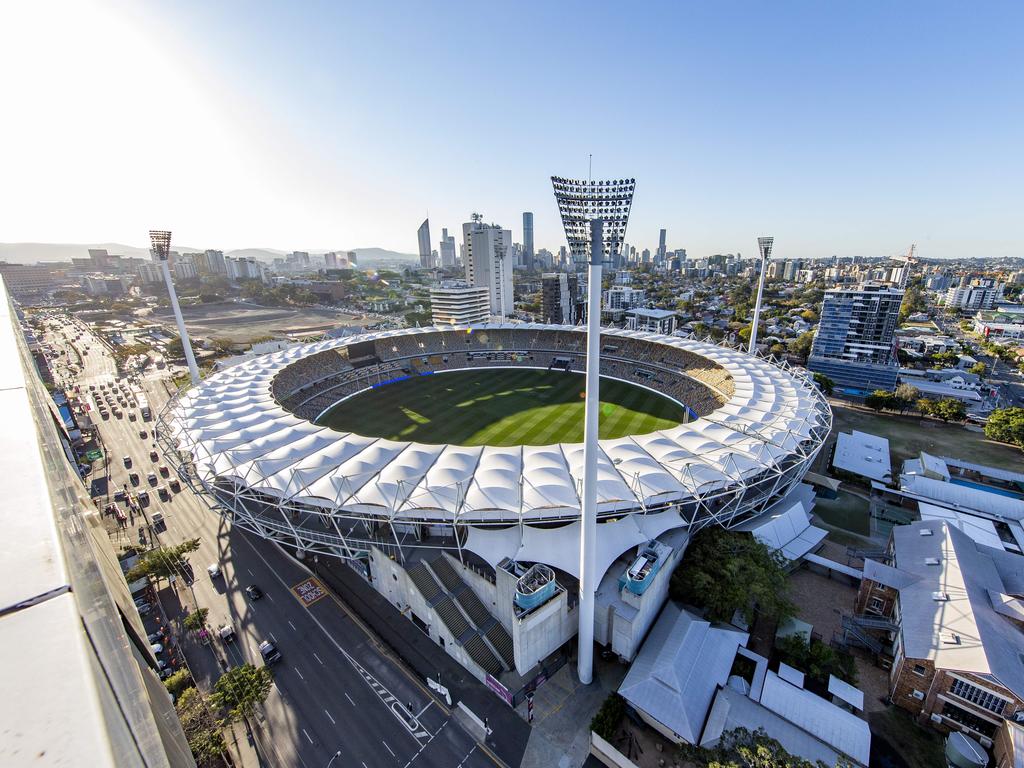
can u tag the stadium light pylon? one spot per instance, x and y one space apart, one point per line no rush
595 215
764 245
160 240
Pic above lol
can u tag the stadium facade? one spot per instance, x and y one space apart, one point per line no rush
479 545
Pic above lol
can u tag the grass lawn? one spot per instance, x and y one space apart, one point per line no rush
908 435
500 408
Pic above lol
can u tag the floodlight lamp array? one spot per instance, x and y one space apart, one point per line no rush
161 244
765 245
581 201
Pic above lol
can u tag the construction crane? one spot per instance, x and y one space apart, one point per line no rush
907 259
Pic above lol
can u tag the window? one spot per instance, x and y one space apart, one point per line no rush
876 605
978 696
919 670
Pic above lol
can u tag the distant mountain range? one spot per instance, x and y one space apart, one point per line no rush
31 253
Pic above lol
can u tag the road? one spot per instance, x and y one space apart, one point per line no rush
335 689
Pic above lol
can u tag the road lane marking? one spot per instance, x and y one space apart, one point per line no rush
350 700
297 672
329 717
291 625
318 658
307 736
387 747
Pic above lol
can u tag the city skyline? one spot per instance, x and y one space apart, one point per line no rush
832 127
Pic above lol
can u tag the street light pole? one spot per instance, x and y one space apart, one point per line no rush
334 757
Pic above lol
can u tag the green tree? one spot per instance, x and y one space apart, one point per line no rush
950 409
175 349
816 659
241 689
827 385
162 563
881 400
202 728
725 571
741 748
925 406
222 345
1007 426
778 349
744 334
178 682
801 345
979 369
196 620
606 720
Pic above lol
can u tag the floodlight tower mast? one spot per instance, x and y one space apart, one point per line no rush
764 245
161 251
594 215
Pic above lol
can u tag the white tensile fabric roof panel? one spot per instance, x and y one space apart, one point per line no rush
235 429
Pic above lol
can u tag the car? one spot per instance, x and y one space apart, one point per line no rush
157 648
227 633
131 415
157 518
127 461
214 570
162 493
143 495
120 495
269 652
253 592
144 609
153 455
143 434
164 470
151 477
133 478
175 485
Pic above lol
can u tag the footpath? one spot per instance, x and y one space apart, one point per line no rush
507 732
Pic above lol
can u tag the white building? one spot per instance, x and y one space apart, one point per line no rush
619 298
651 320
246 268
980 293
1003 323
448 258
423 239
149 273
456 303
488 263
185 269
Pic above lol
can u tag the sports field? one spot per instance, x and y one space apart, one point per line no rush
499 407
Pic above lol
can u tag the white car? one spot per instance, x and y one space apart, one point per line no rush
214 570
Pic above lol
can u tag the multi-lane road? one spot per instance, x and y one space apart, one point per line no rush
335 689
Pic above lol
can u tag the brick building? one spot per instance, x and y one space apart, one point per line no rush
958 609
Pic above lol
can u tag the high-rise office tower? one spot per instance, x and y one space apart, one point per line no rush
488 262
854 342
645 256
662 250
447 249
528 240
331 260
423 238
456 303
560 298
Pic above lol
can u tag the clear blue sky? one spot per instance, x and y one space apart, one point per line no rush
849 128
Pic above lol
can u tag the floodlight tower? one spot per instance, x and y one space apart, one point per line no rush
764 245
161 251
594 215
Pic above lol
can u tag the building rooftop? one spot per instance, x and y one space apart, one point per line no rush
863 454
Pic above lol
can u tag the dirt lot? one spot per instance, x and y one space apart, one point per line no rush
908 435
243 322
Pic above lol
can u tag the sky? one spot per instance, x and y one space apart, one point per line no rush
838 128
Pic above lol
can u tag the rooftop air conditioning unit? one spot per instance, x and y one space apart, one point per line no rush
919 695
926 532
935 717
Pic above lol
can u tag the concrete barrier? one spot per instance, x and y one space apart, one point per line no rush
607 754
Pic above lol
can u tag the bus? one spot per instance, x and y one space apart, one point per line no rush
143 404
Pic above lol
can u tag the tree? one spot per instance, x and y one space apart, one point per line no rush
880 400
801 345
950 409
1007 426
816 659
725 571
906 394
925 406
979 369
744 334
162 563
178 682
740 748
221 345
175 349
201 727
608 717
196 620
241 689
827 385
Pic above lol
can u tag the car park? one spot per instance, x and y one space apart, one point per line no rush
269 652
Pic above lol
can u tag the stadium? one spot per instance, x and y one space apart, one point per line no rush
445 466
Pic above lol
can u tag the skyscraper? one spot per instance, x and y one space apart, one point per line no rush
423 237
560 298
488 262
447 249
659 259
854 342
331 260
528 240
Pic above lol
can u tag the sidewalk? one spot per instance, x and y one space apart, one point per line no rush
509 732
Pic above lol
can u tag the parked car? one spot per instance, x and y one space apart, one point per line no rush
214 570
